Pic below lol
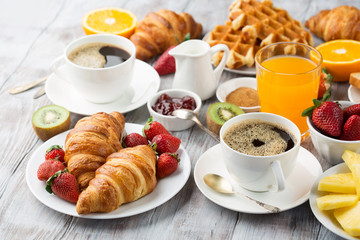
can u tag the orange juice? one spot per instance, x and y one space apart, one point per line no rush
286 86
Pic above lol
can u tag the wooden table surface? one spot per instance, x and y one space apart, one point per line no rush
33 33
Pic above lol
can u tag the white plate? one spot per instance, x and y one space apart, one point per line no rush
146 82
354 94
326 218
243 70
297 189
165 189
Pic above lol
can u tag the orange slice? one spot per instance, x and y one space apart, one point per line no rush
340 58
109 20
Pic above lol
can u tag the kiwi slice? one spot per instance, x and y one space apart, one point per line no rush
50 120
218 113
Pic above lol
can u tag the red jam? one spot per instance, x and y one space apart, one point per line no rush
165 104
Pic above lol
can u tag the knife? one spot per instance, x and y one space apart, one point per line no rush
40 92
26 86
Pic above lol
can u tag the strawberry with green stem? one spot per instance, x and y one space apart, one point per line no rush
64 185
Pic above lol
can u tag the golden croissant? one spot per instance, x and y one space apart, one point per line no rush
342 22
158 31
91 141
126 176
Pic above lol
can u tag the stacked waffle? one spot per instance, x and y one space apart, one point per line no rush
252 25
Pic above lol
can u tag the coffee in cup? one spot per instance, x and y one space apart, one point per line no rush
259 150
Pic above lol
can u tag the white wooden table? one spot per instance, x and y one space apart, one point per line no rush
32 34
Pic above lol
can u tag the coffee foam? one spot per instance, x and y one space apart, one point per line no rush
88 55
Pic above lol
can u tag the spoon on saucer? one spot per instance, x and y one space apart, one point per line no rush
222 185
190 115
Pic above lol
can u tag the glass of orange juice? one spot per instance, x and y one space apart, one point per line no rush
288 76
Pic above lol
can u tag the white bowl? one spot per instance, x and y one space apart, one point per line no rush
172 123
329 148
227 87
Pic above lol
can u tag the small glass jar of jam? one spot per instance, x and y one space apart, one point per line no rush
165 104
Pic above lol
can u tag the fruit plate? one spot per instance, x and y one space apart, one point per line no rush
326 218
354 94
164 191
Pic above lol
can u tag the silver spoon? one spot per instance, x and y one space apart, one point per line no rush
222 185
190 115
27 86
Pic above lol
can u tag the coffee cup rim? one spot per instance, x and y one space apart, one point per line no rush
255 116
96 36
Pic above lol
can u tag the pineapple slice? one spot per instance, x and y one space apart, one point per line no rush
352 160
349 219
333 201
338 183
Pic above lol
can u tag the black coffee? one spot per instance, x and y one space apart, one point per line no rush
258 138
98 55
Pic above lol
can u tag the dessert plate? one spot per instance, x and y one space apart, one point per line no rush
165 189
146 82
354 94
296 192
326 218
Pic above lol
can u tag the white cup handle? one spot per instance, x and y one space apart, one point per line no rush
279 175
56 64
214 49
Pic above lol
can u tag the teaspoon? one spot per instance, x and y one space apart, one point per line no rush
190 115
222 185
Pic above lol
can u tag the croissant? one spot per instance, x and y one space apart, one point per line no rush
342 22
90 142
126 176
158 31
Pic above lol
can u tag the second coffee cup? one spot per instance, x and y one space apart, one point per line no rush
260 150
99 66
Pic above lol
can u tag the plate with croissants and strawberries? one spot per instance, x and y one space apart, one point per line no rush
108 168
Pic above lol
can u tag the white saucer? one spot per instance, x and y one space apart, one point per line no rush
146 82
297 189
326 218
354 94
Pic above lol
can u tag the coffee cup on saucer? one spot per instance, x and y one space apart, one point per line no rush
260 150
99 67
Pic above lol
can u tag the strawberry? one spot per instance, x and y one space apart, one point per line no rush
166 63
166 164
165 143
351 110
325 83
351 130
64 185
153 128
134 139
49 168
55 152
328 118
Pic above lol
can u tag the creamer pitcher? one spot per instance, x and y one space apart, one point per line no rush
194 71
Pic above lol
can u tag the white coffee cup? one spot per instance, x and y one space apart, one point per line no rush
97 85
261 173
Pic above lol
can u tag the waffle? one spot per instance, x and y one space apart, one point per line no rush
252 25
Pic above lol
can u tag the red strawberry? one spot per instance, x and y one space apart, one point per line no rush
351 110
166 63
64 185
153 128
166 164
351 130
165 143
55 152
134 139
325 83
328 118
49 168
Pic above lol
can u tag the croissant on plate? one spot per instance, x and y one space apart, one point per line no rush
162 29
91 141
342 22
126 176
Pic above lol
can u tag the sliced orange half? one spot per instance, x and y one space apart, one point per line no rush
109 20
340 58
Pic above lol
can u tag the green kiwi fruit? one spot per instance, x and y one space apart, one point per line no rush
218 113
50 120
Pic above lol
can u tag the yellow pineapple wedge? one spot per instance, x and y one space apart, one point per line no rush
349 219
352 160
334 201
338 183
